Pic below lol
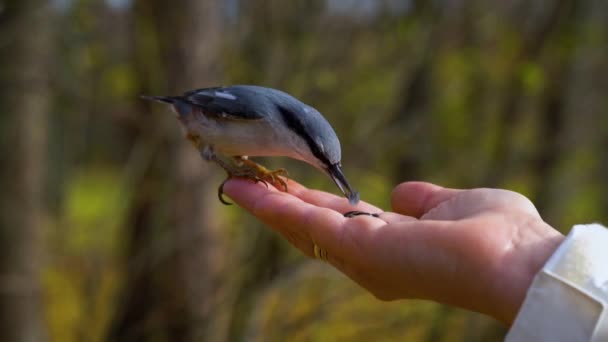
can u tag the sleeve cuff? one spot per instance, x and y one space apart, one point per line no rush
568 298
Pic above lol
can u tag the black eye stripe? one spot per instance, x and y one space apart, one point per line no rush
293 122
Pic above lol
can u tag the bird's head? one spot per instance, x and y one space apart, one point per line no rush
320 146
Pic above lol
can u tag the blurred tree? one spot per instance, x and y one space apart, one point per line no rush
172 267
25 52
414 100
534 31
574 183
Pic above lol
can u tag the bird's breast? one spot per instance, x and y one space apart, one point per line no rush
234 137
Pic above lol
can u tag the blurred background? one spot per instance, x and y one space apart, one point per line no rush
110 229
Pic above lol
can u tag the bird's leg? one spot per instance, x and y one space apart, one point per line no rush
208 154
242 167
272 177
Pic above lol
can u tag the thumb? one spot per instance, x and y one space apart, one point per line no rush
417 198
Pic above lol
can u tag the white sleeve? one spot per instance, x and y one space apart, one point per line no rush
568 299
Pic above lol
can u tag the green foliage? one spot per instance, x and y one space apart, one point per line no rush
84 276
91 196
532 77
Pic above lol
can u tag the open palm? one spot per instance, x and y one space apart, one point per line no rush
477 249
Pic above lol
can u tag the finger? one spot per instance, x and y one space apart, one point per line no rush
289 215
248 194
390 217
417 198
327 200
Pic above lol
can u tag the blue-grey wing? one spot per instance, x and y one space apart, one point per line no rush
227 104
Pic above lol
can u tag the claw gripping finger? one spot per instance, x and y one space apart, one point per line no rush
220 193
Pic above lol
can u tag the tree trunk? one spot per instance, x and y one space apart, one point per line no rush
24 57
172 271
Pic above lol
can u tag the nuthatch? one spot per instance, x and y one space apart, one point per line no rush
228 124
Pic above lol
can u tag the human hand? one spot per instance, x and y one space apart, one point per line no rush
477 249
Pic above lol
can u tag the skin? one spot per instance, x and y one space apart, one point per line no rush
476 249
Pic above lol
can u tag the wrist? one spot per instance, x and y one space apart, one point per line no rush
534 244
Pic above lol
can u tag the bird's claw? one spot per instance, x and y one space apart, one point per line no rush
262 174
275 177
260 180
256 172
220 192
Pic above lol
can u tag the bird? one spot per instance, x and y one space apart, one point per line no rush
229 124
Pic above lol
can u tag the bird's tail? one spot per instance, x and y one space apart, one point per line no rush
163 99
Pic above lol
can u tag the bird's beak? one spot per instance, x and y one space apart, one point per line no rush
335 172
